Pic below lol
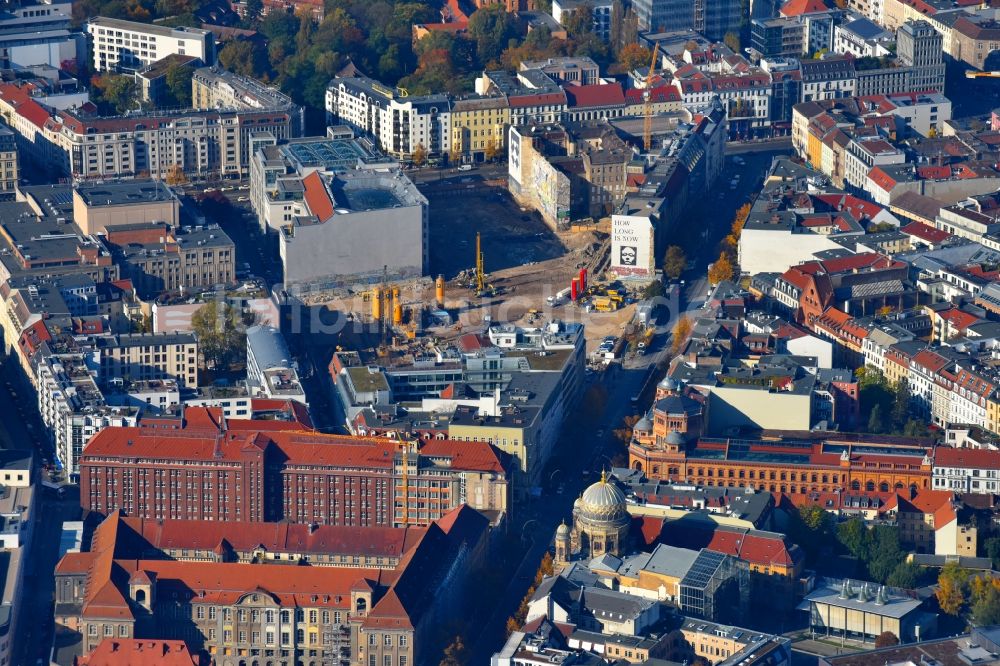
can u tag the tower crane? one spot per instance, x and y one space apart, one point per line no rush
647 96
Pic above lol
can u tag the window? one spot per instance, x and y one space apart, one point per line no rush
388 640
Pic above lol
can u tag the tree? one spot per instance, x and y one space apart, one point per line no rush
986 609
674 262
254 10
886 639
952 583
732 40
653 290
116 91
545 567
886 553
241 57
455 654
178 81
490 152
853 535
633 56
900 404
906 575
176 175
682 329
992 548
491 28
419 155
220 331
721 270
740 219
454 155
512 626
876 421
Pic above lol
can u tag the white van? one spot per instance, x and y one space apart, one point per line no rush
465 167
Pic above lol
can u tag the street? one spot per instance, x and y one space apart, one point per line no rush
590 448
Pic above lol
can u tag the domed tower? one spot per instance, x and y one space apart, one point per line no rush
601 520
562 542
667 386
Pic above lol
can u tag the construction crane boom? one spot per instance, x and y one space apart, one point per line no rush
982 75
647 95
480 269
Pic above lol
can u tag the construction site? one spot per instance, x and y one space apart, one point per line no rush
491 262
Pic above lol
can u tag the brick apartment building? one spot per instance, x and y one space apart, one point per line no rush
200 466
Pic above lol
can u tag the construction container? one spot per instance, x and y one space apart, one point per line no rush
397 307
604 304
439 291
377 303
583 280
574 289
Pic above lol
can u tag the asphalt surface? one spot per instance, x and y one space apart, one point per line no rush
706 225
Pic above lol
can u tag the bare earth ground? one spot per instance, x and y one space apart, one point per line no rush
524 259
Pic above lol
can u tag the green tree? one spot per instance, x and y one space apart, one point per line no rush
900 404
491 28
876 421
992 549
674 262
886 553
854 536
812 528
906 575
116 91
221 333
178 81
241 57
986 608
653 290
254 10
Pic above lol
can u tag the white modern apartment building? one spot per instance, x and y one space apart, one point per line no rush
861 156
73 408
202 143
130 46
271 371
966 470
402 124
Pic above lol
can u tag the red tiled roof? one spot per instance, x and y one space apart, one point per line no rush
597 94
372 541
756 547
929 359
799 7
24 105
925 232
659 94
959 319
946 456
930 172
536 99
859 208
199 439
486 458
317 196
881 179
140 652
